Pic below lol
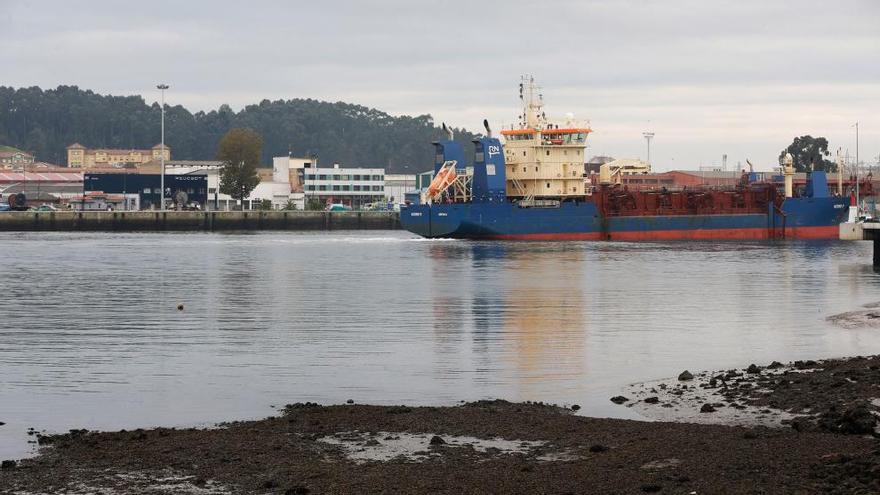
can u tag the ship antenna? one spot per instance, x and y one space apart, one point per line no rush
447 130
488 130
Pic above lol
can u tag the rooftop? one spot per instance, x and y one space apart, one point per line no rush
117 150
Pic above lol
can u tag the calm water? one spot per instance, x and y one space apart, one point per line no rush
90 335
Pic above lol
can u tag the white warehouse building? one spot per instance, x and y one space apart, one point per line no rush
354 187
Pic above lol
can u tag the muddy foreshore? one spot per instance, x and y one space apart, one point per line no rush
811 430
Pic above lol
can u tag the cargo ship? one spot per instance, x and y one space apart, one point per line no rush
534 186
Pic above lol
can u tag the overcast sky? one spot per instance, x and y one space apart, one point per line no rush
707 77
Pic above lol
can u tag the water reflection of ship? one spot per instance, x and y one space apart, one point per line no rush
526 306
546 318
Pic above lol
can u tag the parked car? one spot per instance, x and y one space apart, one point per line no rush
45 208
5 207
338 207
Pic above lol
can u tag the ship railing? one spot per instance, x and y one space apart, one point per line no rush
518 186
538 203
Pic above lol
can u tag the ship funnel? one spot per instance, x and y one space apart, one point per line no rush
488 130
448 131
788 172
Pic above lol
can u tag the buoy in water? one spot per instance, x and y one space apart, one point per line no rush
180 307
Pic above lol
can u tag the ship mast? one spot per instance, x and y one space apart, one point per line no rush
533 104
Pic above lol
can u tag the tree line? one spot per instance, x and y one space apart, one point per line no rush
45 122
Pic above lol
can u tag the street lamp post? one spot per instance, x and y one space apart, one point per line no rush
858 204
162 88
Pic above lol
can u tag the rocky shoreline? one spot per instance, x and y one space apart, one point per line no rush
801 427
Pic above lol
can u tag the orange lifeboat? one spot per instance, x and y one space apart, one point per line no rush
444 178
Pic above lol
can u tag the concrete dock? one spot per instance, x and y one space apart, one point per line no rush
196 221
863 231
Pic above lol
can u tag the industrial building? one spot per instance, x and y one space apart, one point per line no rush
179 189
397 185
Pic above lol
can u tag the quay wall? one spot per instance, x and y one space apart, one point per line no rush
195 221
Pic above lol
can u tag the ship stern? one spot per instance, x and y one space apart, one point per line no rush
431 221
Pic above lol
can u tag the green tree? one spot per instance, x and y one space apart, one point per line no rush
315 204
809 154
240 151
47 121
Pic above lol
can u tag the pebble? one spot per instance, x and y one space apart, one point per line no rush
707 408
652 400
436 440
7 465
685 376
619 399
575 407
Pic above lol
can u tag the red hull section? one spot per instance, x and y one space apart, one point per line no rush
823 232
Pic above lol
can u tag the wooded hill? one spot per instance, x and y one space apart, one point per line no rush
46 122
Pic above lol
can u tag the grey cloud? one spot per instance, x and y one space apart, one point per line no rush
715 72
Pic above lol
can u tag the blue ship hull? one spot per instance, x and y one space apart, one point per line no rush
798 218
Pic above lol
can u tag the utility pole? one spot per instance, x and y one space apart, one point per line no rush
162 88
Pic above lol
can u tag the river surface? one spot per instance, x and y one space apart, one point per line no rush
91 337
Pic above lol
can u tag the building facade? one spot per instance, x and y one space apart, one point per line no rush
78 156
190 188
354 187
397 185
13 158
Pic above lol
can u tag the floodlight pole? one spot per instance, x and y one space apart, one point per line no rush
648 137
162 88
